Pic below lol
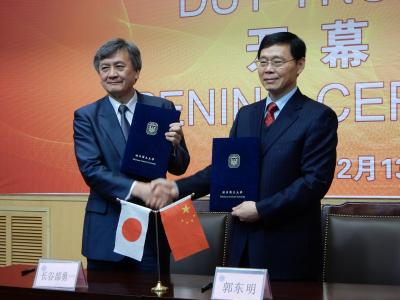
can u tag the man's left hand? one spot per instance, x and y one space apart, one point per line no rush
246 211
175 133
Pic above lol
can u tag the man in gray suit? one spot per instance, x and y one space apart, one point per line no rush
100 133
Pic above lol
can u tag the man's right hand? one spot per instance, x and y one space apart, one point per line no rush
156 194
163 191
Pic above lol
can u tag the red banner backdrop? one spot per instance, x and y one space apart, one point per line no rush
199 54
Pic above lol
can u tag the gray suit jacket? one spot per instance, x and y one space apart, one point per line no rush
99 149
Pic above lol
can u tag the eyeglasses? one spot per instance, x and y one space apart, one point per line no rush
275 63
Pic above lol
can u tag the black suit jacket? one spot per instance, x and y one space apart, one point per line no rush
99 149
297 167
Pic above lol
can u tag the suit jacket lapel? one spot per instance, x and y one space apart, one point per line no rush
257 117
140 98
109 123
287 116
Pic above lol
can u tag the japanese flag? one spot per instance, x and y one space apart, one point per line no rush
131 231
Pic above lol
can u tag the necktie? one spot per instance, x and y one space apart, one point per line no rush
269 118
122 109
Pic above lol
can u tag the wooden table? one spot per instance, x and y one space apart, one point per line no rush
110 285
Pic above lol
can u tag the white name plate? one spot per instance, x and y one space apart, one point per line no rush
56 274
241 283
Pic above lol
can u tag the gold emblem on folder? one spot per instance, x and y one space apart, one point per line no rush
234 161
152 128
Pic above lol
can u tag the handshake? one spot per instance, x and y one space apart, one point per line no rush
157 193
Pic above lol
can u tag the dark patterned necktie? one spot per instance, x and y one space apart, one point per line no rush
124 121
270 118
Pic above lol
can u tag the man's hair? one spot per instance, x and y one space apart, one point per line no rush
297 46
114 45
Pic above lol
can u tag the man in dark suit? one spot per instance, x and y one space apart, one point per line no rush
100 133
281 231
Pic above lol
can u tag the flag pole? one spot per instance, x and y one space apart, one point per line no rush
159 289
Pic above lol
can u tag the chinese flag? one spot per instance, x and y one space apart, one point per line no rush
183 229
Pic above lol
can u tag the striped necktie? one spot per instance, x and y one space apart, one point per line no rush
122 109
270 118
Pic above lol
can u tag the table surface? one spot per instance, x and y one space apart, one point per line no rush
111 285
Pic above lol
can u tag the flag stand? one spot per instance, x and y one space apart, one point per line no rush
159 289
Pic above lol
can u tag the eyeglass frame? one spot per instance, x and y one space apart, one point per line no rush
271 62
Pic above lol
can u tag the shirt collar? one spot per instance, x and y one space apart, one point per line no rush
131 103
281 102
